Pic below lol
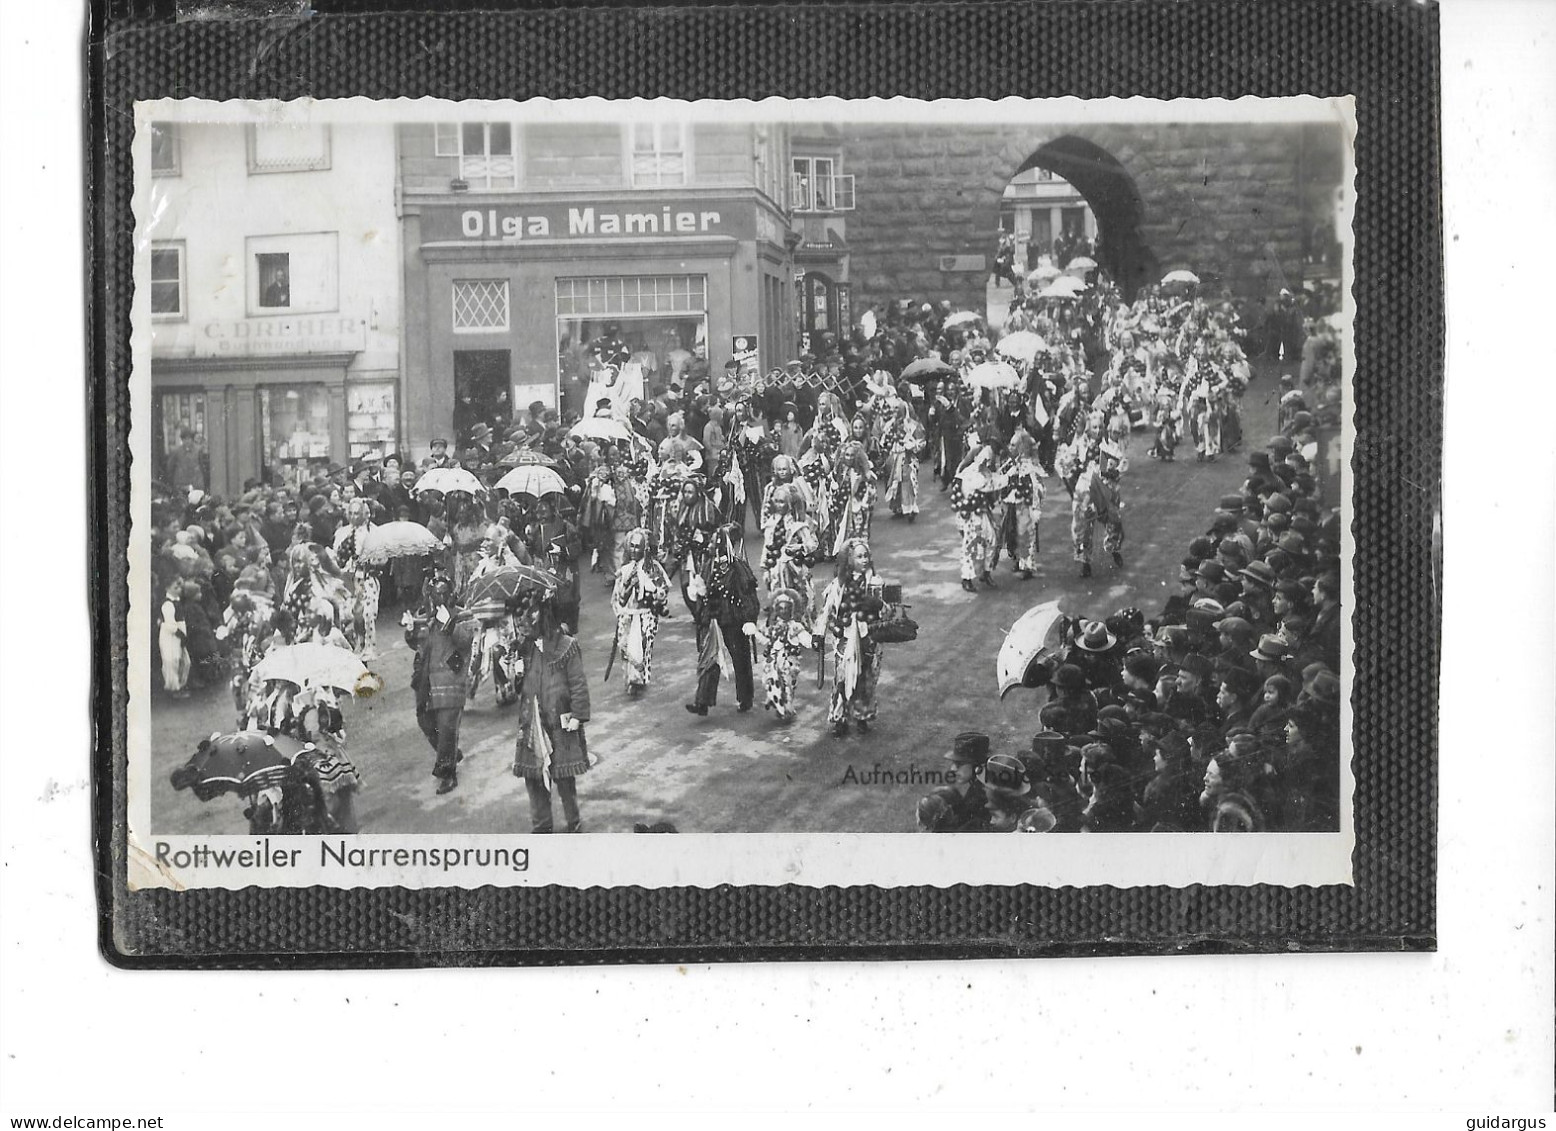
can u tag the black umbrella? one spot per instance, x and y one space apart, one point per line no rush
927 369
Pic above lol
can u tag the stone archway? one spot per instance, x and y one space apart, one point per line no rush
1114 199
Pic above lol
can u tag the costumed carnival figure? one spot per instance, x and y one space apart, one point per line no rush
638 600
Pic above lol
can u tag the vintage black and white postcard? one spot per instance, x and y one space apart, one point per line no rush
661 493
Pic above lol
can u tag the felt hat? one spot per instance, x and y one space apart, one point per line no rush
1233 503
1238 629
1005 772
1271 648
1095 637
1211 571
1241 681
480 433
1292 542
439 442
1281 446
1260 574
1196 665
1326 688
1048 743
969 748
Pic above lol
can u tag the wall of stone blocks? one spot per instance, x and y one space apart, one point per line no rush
1220 199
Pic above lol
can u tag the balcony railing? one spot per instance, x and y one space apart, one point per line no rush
490 172
822 194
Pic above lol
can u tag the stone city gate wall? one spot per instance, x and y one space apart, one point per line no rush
1230 200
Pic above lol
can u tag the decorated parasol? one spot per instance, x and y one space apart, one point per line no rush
1033 648
992 375
393 540
312 664
1023 345
926 369
1081 263
1041 276
960 318
1180 276
532 479
527 457
450 479
490 595
244 762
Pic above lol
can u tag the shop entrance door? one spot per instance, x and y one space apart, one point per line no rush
481 380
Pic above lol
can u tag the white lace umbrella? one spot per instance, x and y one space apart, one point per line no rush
1037 635
992 375
397 540
1023 345
447 479
532 479
602 428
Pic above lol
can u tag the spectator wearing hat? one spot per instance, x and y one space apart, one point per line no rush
1052 774
1007 792
1271 656
1190 701
185 469
1077 704
438 456
967 798
1235 637
1095 653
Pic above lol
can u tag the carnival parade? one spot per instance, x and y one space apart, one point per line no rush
716 601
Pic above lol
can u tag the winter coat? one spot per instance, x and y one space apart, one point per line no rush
554 685
442 664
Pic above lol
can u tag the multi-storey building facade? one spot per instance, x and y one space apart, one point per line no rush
821 197
1037 208
526 240
274 295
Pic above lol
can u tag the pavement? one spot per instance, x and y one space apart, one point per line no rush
731 772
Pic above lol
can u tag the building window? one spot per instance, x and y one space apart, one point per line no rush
659 154
293 274
633 294
288 148
166 158
488 155
167 282
275 280
819 187
370 418
660 321
480 305
294 432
